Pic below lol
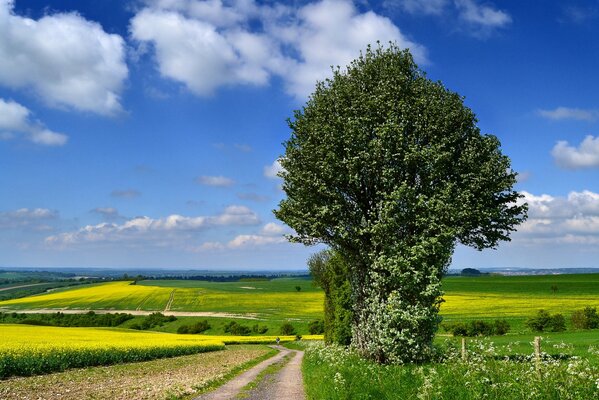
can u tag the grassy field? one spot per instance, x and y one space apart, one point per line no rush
267 299
511 297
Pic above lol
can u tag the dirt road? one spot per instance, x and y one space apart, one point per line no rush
132 312
284 384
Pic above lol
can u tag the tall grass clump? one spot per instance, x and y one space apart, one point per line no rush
336 373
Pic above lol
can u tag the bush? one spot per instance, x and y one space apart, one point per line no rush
156 319
316 327
586 318
557 323
477 328
544 321
539 322
259 329
287 329
501 327
235 328
198 327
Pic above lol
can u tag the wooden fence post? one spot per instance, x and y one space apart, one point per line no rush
464 354
537 344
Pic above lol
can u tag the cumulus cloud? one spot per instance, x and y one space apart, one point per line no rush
219 181
586 155
561 113
272 171
427 7
27 218
125 193
270 234
173 230
561 220
482 16
16 120
66 59
206 45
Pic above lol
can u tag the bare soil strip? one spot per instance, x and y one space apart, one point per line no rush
149 380
287 384
133 312
22 286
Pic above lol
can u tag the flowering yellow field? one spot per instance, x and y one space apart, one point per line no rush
30 350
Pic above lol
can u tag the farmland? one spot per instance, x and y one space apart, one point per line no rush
30 350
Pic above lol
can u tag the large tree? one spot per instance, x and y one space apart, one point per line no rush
390 170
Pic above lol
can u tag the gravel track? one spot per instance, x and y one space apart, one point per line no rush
285 384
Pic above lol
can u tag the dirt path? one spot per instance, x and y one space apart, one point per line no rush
132 312
285 384
22 286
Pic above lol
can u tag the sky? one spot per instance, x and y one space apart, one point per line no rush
146 133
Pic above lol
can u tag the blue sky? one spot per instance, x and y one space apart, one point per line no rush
146 133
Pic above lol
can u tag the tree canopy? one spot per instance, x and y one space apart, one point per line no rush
390 170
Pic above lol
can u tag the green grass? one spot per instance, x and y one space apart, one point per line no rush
339 374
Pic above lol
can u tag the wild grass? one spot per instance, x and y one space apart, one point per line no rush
332 372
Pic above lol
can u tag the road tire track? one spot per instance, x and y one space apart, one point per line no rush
287 384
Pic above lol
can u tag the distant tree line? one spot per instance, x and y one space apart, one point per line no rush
90 319
227 278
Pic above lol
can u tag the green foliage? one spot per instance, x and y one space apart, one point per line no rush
235 328
544 321
586 318
298 288
287 329
470 272
198 327
90 319
261 329
389 169
316 327
155 319
335 373
477 328
330 272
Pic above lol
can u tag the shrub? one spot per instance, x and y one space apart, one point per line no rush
501 327
316 327
287 329
183 329
539 322
235 328
586 318
259 329
557 323
477 328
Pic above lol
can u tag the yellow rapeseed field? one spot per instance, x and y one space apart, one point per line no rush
30 350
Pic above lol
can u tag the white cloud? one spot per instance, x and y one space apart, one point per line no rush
173 230
428 7
272 171
219 181
66 59
554 219
206 45
27 218
243 241
16 119
272 228
561 113
270 234
482 16
586 155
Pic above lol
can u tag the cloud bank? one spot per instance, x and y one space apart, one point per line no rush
65 59
209 44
